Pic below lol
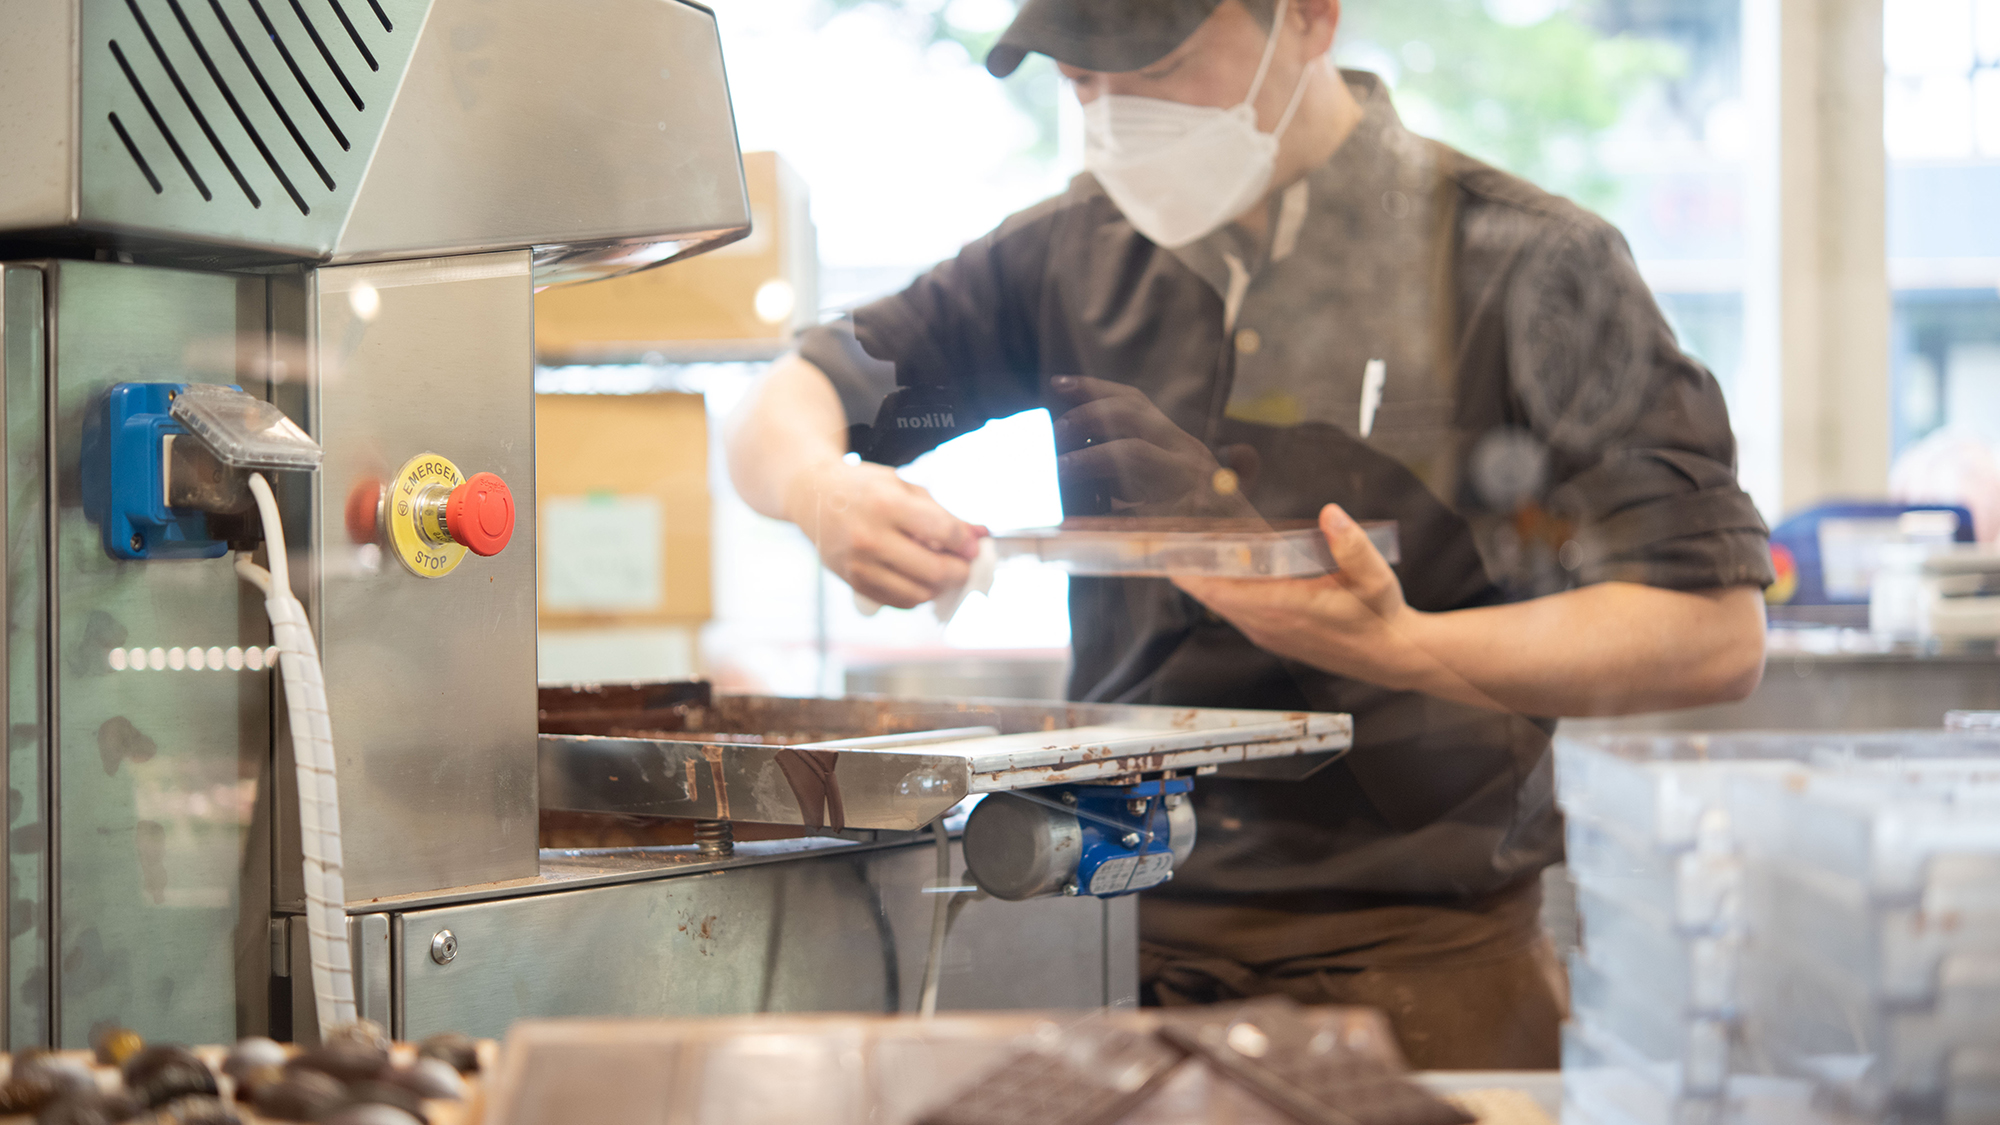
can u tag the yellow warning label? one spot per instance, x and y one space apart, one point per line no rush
415 513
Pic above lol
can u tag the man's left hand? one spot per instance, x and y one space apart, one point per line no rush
1353 622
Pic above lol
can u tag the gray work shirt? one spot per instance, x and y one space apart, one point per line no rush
1421 338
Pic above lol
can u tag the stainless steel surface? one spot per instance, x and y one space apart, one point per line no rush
235 132
372 952
430 682
24 383
1183 739
901 786
444 947
845 929
564 870
1121 968
374 975
246 134
1017 849
903 789
37 87
525 123
1835 692
155 769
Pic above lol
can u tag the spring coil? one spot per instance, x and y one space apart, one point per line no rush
714 838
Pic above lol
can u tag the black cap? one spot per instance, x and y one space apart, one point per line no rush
1107 35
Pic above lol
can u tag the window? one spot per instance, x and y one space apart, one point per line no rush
1634 110
1942 129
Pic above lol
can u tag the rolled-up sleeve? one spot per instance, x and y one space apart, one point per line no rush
861 380
1643 463
968 325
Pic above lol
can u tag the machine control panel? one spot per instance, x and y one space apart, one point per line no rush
436 514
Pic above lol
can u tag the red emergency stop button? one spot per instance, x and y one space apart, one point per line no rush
364 510
480 514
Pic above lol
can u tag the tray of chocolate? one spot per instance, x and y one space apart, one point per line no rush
357 1077
1267 1062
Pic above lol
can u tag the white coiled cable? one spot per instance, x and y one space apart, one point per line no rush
312 751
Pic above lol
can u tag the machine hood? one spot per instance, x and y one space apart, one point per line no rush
234 132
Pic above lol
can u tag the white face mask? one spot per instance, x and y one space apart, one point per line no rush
1179 172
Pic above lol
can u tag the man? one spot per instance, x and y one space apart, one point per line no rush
1268 301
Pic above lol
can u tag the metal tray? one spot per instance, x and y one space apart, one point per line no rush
1150 548
678 750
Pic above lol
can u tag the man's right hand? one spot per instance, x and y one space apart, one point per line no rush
885 537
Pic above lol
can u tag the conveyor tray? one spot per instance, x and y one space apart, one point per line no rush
678 750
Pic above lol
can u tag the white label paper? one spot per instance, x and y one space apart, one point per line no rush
602 553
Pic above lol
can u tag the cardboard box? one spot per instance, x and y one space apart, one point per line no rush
622 506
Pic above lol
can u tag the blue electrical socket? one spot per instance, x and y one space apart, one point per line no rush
124 478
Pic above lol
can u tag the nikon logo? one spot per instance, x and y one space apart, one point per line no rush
932 421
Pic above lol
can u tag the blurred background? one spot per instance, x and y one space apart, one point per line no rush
1724 138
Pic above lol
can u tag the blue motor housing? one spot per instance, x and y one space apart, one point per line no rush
1101 840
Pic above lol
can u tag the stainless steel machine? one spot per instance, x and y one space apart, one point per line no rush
344 207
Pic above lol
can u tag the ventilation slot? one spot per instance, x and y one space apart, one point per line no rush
299 76
137 157
241 75
312 31
236 107
366 55
194 107
158 123
277 106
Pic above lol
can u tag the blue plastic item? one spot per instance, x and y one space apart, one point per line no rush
124 478
1850 529
1109 865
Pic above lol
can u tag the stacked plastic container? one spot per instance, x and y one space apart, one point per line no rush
1874 898
1784 928
1654 996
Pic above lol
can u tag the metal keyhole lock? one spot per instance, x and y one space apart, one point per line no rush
444 947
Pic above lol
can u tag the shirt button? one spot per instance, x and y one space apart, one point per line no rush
1247 341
